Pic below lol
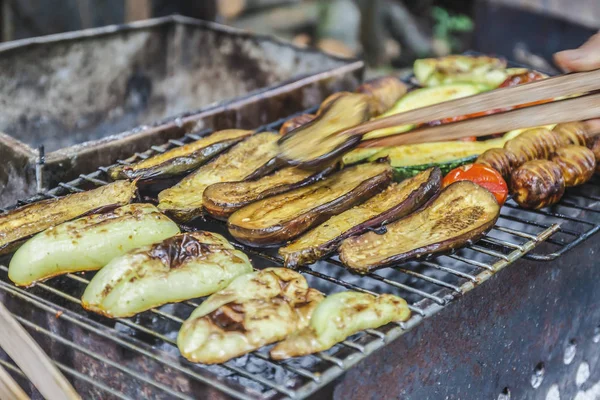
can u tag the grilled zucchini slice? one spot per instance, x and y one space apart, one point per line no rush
420 98
461 214
88 243
249 159
182 267
459 68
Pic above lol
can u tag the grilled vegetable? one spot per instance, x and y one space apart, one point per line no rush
330 99
254 310
538 143
501 160
180 159
21 223
409 160
577 164
312 144
422 98
283 217
296 122
250 159
339 316
383 92
88 243
182 267
461 214
483 176
223 199
395 202
595 147
453 69
522 77
537 184
573 133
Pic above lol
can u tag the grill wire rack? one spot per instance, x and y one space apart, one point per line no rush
147 342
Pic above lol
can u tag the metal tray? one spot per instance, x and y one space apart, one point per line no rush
94 96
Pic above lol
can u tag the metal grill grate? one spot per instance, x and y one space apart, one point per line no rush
141 351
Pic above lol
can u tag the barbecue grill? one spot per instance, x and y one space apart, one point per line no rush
529 327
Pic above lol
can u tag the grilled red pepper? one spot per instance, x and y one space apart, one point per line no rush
483 176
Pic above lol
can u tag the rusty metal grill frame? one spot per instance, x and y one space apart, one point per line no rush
429 285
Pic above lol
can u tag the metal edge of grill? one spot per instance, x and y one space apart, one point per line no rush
430 284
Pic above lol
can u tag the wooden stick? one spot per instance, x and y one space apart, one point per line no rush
564 85
32 360
9 389
575 109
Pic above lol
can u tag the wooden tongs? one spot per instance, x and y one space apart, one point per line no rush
585 106
32 360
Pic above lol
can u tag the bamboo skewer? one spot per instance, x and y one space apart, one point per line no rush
32 360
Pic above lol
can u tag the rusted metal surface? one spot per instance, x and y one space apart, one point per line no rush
94 96
496 340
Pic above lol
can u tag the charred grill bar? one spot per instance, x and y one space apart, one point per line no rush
540 309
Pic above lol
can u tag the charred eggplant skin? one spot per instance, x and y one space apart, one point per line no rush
313 145
250 159
23 222
182 159
459 215
183 267
577 164
88 243
223 199
537 184
296 122
383 93
409 196
257 224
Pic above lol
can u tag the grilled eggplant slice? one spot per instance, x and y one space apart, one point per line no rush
339 316
180 159
250 159
277 219
383 93
88 243
461 214
296 122
223 199
254 310
577 164
182 267
23 222
397 201
537 184
314 144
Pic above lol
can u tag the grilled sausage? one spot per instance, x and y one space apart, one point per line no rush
538 143
537 184
573 133
296 122
501 160
577 164
595 146
383 93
